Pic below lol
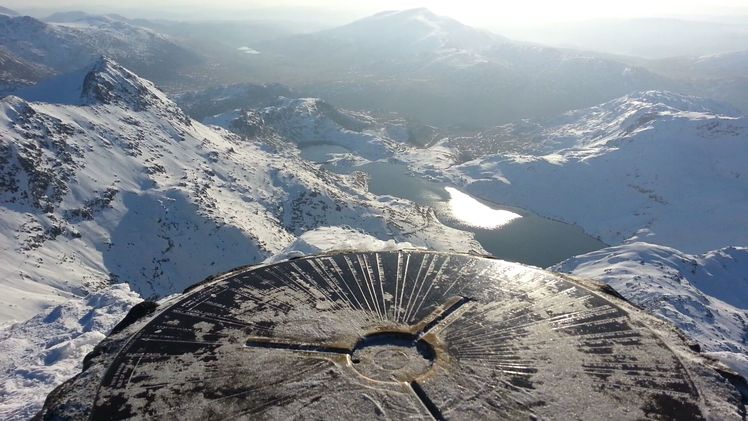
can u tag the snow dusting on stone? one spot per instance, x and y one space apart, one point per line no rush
704 295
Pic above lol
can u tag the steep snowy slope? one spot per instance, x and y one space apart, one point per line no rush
704 295
665 168
124 186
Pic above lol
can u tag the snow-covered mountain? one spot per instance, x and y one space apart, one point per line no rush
655 166
386 40
589 126
705 295
67 46
442 72
413 31
121 185
314 122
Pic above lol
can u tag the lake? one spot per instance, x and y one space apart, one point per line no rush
506 232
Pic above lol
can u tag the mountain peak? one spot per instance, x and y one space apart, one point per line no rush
414 31
103 82
109 83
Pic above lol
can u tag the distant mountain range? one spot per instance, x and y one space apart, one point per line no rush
445 73
57 48
424 66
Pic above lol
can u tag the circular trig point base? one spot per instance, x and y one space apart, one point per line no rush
403 335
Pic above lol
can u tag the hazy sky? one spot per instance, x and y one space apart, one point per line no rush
476 12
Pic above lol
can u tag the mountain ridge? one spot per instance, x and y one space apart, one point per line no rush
112 191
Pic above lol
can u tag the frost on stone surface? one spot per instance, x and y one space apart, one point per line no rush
704 295
403 334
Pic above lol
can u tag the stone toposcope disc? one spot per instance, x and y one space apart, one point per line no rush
414 335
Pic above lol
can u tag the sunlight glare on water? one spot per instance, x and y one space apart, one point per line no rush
475 214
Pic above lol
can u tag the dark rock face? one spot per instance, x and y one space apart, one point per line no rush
251 124
35 172
400 334
109 83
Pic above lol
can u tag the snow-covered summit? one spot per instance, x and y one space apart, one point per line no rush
663 101
592 129
103 82
632 114
415 31
109 83
311 121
